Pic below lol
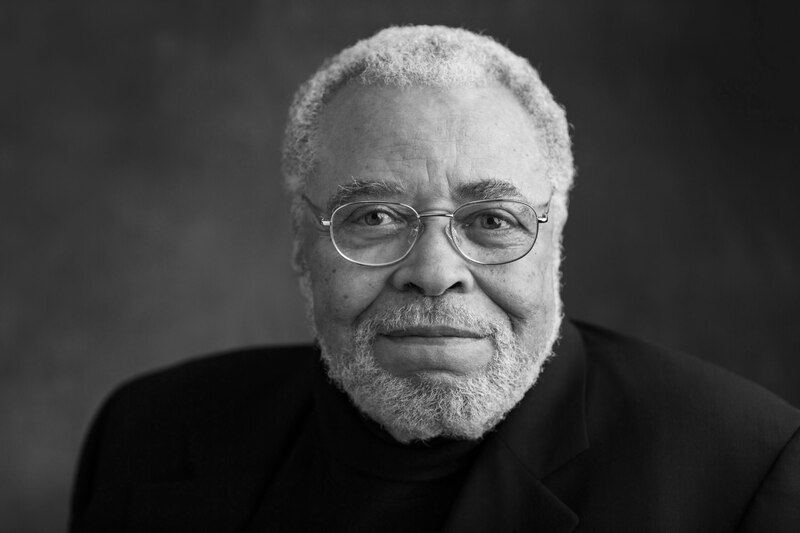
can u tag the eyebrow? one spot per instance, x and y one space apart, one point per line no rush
488 189
358 189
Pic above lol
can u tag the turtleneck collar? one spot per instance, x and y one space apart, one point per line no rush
360 443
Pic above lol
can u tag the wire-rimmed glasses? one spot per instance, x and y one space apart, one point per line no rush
487 232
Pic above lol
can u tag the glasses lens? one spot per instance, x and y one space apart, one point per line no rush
373 233
495 231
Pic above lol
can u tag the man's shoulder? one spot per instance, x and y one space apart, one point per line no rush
674 391
244 385
233 414
245 367
702 446
225 376
211 404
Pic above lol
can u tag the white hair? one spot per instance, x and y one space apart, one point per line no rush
426 56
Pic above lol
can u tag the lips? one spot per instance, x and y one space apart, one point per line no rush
433 332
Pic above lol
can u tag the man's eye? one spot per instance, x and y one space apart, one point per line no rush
370 216
376 218
490 221
493 220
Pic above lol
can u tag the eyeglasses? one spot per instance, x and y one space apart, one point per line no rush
487 232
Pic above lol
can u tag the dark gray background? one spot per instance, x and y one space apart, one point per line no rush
141 219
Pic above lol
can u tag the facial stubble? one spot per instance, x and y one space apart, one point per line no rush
423 407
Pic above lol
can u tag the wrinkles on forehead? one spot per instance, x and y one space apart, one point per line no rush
361 189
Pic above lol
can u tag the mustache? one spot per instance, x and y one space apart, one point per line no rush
427 313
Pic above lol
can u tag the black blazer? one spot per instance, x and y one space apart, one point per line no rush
617 435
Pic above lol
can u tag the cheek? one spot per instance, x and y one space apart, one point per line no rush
341 290
524 290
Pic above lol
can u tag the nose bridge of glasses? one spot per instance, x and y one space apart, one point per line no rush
437 213
428 214
420 229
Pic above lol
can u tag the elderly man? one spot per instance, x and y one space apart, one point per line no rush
428 170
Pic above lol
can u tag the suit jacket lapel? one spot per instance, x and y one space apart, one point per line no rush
504 490
501 495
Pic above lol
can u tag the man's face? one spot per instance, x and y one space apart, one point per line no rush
434 321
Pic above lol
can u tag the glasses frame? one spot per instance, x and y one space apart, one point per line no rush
328 223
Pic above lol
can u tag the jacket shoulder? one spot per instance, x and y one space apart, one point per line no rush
227 416
265 369
679 383
151 426
702 446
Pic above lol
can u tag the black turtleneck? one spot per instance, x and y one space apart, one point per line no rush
348 474
382 484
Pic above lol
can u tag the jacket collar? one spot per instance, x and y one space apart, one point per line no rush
506 489
548 427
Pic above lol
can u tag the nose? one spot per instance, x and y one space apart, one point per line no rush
434 266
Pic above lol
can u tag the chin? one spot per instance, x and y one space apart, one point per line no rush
436 403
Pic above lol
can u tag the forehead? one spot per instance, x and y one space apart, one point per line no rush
428 143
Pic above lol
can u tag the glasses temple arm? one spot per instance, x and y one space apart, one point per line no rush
546 216
317 212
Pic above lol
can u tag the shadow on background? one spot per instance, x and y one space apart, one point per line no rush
142 221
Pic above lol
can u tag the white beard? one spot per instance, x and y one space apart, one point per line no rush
424 407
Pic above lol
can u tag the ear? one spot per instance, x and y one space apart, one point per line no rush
299 263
